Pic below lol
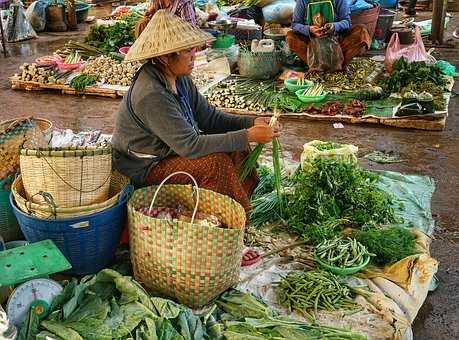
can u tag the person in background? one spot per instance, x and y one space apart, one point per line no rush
312 18
411 9
181 8
165 125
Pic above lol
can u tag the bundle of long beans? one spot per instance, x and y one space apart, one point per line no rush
314 289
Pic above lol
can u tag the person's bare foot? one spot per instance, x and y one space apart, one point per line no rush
456 33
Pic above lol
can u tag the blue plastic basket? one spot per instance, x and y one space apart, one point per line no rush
88 242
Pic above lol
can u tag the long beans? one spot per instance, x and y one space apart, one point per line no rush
314 290
342 253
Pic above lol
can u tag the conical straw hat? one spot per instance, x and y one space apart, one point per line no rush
164 34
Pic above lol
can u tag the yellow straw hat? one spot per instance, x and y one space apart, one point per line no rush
164 34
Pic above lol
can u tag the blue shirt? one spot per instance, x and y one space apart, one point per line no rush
342 16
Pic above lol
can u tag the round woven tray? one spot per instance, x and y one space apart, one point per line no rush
117 183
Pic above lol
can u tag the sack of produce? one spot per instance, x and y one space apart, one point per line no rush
192 256
73 177
325 55
279 12
414 52
318 149
36 14
18 28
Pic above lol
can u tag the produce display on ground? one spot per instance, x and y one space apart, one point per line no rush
313 290
109 71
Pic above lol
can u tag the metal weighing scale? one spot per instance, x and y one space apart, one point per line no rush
29 266
224 40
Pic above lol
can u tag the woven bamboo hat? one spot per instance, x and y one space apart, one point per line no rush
164 34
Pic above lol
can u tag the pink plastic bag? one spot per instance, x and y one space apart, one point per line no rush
414 52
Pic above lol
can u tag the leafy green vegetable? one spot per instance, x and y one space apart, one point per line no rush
404 73
333 189
389 244
316 233
82 81
165 330
108 38
242 305
29 329
60 330
327 146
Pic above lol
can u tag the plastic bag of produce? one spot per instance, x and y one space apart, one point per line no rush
325 55
36 14
414 52
18 28
231 53
279 12
317 148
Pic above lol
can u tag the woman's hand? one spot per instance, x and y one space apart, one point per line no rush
261 134
264 121
316 31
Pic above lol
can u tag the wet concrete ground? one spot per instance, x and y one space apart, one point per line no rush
434 154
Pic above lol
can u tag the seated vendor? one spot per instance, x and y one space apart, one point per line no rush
165 125
318 18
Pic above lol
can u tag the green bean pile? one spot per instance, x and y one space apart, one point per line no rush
316 289
343 253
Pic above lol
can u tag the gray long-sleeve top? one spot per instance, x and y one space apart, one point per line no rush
171 134
342 16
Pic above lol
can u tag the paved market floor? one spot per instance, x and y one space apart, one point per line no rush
435 154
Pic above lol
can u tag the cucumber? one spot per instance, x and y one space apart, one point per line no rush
117 56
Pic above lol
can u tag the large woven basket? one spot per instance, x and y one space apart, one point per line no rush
51 211
72 176
14 134
190 263
260 65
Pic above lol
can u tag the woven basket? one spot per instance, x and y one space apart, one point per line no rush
50 211
43 124
9 227
74 177
14 134
188 262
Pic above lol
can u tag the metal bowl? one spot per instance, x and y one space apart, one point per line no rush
222 25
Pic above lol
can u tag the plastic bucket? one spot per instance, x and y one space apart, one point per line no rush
384 24
88 242
368 17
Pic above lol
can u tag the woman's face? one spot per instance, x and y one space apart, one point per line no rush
182 63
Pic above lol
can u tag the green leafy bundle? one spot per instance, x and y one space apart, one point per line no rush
81 81
333 190
405 73
390 244
247 318
111 306
108 38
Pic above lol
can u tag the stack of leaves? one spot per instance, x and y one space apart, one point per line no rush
389 244
314 290
333 190
248 318
111 306
417 72
108 38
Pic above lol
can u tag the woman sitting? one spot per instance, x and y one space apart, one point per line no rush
165 125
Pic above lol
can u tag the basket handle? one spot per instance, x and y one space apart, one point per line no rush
165 180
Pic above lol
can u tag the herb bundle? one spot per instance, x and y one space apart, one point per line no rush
332 189
390 244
